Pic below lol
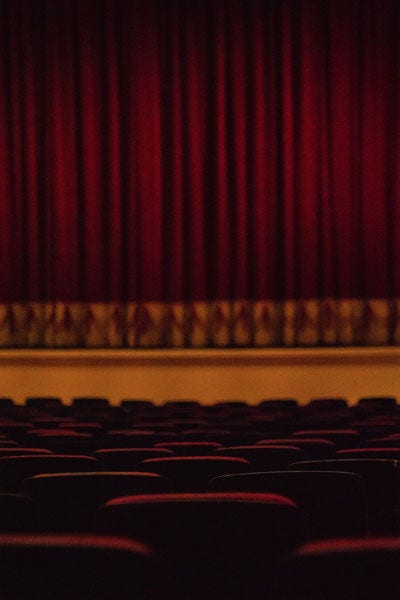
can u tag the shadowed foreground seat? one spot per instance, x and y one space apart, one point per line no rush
15 430
333 503
343 438
264 458
312 448
136 438
189 448
381 477
48 567
62 441
391 453
348 569
22 451
218 545
67 501
123 459
18 513
192 473
14 469
220 436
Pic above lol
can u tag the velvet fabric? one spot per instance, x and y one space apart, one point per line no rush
180 168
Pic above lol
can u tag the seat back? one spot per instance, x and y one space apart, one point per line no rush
67 501
391 453
43 402
343 438
347 569
90 402
189 448
76 568
22 451
18 513
14 469
333 503
218 545
264 458
124 459
381 476
312 448
192 473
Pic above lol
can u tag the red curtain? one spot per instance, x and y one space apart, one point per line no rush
199 172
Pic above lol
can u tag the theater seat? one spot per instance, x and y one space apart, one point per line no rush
391 453
264 458
90 403
327 404
43 403
125 459
6 403
377 404
343 569
16 468
343 438
189 448
218 545
67 501
312 448
333 503
192 473
48 567
281 405
18 513
22 451
15 430
139 438
381 476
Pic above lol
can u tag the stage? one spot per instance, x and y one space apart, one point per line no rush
207 375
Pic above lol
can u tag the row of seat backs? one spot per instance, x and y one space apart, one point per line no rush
207 546
387 403
86 435
190 470
105 567
347 498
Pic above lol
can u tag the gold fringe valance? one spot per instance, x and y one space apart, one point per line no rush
200 324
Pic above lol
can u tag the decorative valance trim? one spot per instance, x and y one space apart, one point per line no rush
219 324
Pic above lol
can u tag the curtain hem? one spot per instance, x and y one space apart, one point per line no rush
217 324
